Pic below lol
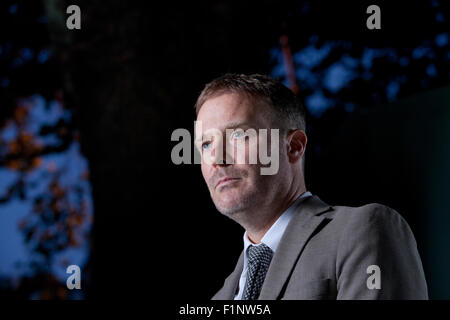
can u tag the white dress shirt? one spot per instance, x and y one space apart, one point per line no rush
271 239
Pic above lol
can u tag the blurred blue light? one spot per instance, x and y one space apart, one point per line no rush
392 90
44 55
26 54
441 39
403 61
317 103
439 17
13 8
311 56
420 52
338 76
431 70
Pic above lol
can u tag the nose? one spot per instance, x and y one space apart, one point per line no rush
221 155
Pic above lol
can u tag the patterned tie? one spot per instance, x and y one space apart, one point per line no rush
259 258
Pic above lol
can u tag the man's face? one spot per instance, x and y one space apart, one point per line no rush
238 186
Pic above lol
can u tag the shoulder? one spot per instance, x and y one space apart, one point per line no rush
373 224
374 214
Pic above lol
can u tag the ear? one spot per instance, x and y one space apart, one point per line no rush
296 145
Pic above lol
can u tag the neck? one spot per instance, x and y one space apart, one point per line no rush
256 231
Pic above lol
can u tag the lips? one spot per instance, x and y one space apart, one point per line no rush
226 180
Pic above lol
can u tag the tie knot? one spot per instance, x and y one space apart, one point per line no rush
260 254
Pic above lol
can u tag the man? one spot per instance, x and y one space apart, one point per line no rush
295 245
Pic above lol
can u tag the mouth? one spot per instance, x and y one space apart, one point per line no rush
225 181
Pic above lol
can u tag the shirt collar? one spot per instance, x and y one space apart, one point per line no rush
273 235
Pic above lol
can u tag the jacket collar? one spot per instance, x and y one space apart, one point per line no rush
305 221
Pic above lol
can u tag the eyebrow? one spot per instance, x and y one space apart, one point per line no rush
230 125
235 124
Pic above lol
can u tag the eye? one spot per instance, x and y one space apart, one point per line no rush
237 134
205 145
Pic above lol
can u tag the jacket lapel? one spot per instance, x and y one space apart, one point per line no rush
303 223
228 290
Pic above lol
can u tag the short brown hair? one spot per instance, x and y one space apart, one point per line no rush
288 108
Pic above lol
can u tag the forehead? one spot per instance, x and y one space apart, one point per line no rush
228 108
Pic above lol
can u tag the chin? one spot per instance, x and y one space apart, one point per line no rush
231 204
230 211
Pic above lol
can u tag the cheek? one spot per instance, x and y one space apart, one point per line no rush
251 178
207 172
252 153
246 153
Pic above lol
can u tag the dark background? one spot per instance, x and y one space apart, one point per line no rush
131 76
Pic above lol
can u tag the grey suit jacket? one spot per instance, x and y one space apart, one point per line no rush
325 253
